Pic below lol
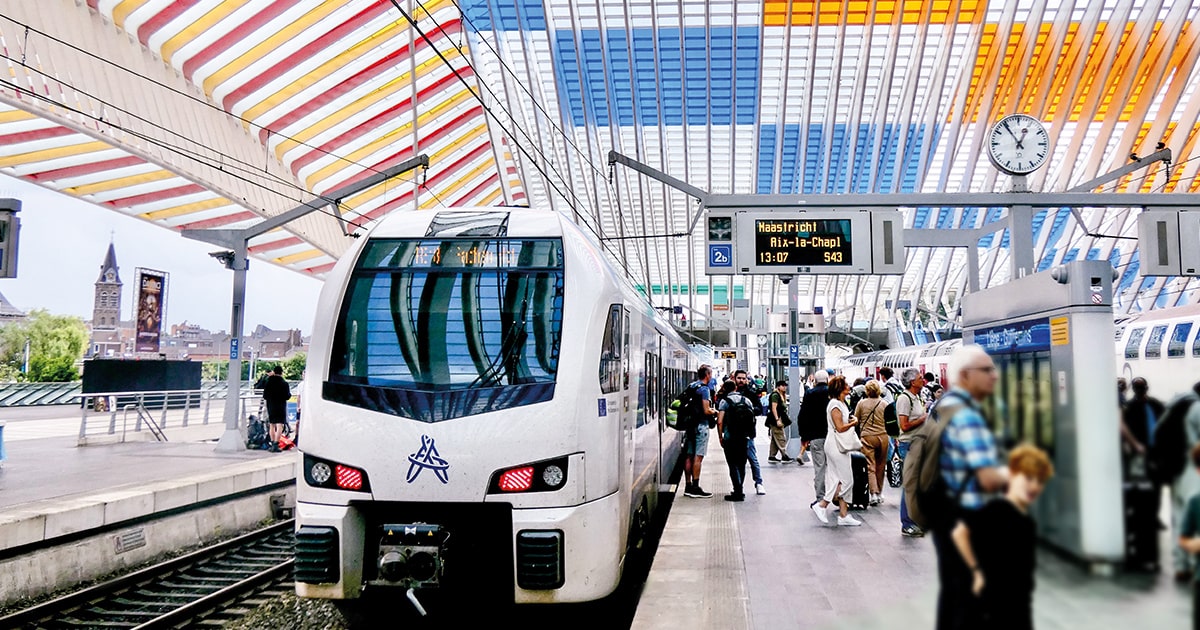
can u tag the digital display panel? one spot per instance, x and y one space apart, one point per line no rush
463 253
790 242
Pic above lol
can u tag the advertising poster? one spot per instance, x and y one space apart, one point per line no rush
151 293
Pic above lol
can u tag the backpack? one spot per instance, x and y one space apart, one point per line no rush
257 437
926 494
739 416
891 419
681 413
1167 458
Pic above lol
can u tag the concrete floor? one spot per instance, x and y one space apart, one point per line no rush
768 563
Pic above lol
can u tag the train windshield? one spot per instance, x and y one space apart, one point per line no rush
433 329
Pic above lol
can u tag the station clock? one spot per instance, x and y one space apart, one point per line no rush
1018 144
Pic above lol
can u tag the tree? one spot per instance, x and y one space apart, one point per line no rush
293 366
56 344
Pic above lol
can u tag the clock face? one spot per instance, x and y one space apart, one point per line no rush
1018 144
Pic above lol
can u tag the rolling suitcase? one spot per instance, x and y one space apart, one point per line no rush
860 496
1141 526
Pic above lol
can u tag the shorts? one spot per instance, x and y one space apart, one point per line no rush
696 443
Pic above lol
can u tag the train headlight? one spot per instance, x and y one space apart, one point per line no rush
553 476
544 476
320 472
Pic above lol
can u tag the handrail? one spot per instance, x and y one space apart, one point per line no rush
160 411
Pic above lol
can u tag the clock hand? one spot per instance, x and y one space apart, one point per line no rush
1022 139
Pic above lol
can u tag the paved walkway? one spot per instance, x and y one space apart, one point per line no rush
768 563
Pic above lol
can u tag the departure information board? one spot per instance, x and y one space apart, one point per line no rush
789 242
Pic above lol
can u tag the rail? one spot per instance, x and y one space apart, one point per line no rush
175 593
157 412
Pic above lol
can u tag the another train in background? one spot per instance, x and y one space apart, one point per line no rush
1163 347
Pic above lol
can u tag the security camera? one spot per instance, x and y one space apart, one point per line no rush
785 279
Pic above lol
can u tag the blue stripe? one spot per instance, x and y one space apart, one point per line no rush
1039 218
1047 260
1093 253
521 15
1071 255
1131 272
1059 227
645 75
810 177
766 159
616 47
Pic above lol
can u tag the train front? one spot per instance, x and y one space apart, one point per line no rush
442 452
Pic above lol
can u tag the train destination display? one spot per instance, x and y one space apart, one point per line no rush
803 242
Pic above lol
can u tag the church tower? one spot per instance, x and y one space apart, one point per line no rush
106 311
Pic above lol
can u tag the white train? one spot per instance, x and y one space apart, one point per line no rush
484 414
1162 346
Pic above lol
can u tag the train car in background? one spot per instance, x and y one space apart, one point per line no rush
484 414
1162 346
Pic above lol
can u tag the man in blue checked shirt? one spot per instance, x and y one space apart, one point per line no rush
972 471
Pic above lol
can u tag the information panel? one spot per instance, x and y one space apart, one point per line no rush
790 242
806 242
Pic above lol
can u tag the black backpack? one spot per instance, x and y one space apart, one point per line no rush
687 408
739 416
257 437
1167 458
926 494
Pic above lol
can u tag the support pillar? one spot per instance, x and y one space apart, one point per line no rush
233 440
1020 241
795 388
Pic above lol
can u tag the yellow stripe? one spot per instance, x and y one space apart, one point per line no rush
271 44
403 131
53 154
402 82
199 27
468 177
120 182
375 40
122 11
487 201
305 255
16 115
187 208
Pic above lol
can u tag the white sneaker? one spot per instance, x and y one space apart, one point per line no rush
758 489
821 512
848 521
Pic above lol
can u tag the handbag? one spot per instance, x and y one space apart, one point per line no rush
895 471
847 441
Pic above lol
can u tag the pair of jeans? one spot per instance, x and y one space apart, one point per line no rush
957 606
752 457
905 521
735 456
817 449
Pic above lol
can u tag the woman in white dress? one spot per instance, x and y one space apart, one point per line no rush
839 475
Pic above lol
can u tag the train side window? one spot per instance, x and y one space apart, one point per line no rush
1177 347
610 351
1134 344
1196 346
1155 343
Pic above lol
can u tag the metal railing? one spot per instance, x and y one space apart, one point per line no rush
155 413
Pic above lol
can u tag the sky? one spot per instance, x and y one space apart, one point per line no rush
63 242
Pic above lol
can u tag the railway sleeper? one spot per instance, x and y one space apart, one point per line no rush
97 623
183 588
168 604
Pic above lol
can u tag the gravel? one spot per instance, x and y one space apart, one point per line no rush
289 612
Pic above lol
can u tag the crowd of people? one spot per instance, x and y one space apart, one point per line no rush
956 488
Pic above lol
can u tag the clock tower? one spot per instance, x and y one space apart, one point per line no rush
106 311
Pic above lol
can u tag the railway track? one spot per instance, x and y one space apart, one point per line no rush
205 588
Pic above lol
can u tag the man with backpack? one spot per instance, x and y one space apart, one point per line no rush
910 414
746 388
813 427
951 468
695 442
1175 435
735 425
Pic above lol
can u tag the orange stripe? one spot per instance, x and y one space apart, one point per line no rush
188 208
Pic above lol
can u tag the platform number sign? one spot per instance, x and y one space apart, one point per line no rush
233 348
720 255
794 355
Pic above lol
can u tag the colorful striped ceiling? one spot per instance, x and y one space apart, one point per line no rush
734 97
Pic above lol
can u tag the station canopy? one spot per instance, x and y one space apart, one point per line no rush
215 113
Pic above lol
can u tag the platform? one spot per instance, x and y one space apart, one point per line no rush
768 563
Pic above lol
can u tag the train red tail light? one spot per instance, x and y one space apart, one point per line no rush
348 478
544 476
516 479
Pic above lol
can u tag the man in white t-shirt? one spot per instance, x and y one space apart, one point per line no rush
910 412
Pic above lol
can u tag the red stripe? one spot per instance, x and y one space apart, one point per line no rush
280 244
137 200
217 222
404 153
440 174
36 134
330 38
86 169
94 4
321 268
387 64
476 190
257 21
161 18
